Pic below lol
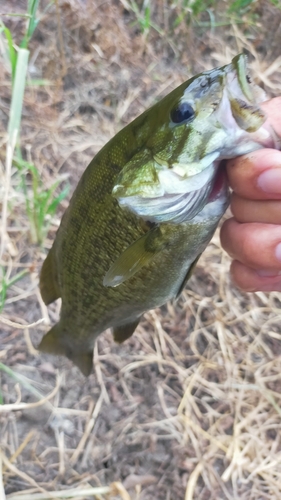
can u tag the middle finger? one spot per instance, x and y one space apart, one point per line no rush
255 245
245 210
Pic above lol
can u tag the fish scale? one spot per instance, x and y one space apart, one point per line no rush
124 245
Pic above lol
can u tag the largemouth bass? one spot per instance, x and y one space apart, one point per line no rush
146 207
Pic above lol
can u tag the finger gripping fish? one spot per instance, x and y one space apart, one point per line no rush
146 207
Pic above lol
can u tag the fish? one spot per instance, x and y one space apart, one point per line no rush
146 207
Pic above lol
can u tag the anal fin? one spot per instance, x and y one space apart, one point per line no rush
51 344
123 332
48 286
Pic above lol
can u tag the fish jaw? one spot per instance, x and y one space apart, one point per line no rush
180 184
239 140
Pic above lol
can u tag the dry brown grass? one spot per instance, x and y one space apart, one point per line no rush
189 408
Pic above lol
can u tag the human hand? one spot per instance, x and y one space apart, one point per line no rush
253 236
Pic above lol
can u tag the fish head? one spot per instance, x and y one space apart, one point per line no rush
211 117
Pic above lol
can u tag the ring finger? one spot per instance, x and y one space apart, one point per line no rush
255 245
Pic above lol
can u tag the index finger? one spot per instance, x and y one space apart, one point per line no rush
244 172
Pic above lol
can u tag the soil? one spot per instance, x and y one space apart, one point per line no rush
189 407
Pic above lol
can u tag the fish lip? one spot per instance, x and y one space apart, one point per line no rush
239 64
238 69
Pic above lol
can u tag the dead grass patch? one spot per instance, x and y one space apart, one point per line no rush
190 406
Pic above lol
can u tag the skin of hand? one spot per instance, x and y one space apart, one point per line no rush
252 237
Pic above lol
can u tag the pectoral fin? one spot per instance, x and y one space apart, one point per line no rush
123 332
136 256
51 344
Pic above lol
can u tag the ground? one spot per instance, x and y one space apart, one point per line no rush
189 407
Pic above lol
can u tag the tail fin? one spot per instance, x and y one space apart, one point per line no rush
52 343
48 283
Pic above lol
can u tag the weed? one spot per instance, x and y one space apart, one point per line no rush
190 12
41 203
6 283
143 14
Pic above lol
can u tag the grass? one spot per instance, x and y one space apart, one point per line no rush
193 13
7 283
69 493
188 408
40 203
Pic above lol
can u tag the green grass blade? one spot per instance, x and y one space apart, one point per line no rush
239 5
11 51
22 380
32 23
13 132
6 284
17 96
53 206
37 82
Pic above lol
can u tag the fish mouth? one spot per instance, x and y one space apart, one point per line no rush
182 205
220 184
240 115
239 111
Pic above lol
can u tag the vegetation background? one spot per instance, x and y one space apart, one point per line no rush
189 407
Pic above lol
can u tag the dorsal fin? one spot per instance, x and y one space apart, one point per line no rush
48 283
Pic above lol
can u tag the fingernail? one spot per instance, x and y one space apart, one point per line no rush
270 181
278 251
268 274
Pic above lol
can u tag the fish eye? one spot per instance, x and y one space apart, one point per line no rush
182 113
